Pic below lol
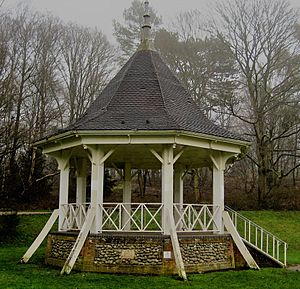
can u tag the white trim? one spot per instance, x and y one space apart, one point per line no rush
134 137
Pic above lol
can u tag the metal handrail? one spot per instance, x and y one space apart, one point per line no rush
259 238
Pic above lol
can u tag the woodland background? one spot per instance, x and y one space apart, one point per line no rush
241 65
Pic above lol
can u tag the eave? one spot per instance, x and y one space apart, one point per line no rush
71 139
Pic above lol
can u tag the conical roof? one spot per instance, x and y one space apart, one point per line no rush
146 96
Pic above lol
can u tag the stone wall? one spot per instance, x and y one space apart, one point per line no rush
142 254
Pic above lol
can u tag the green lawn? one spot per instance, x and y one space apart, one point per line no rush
37 275
285 225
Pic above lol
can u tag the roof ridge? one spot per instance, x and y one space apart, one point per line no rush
159 84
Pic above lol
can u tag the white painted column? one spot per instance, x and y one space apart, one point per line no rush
219 162
62 159
81 181
63 196
167 186
97 187
81 190
178 192
127 195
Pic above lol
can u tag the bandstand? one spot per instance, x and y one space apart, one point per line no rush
143 119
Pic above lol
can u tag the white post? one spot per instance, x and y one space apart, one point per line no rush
63 166
81 182
97 186
81 189
127 196
178 193
219 162
167 186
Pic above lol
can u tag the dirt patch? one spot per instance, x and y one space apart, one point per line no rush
295 268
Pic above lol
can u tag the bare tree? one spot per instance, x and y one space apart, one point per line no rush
262 36
85 66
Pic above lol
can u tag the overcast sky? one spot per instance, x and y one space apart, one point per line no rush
100 13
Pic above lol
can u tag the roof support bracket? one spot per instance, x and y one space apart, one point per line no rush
178 156
107 155
157 155
215 162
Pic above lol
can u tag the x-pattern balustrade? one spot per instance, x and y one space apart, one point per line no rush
74 215
194 217
142 217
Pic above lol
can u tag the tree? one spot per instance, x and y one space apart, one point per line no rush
262 36
204 66
85 66
128 35
49 73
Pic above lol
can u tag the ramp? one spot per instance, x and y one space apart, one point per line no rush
69 264
40 238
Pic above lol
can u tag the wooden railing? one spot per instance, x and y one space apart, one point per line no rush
74 216
131 217
142 217
195 217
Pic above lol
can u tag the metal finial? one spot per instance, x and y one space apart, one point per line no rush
146 28
147 42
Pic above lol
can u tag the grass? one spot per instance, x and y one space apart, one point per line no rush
285 225
37 275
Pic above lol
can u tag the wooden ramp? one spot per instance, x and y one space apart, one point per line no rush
40 238
176 247
69 264
238 241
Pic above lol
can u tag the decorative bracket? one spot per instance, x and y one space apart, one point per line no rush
157 155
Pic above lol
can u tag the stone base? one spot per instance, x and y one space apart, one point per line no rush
137 253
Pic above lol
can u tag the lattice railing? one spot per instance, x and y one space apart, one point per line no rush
74 216
131 217
142 217
195 217
259 238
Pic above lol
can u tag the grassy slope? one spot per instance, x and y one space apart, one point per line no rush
36 275
285 225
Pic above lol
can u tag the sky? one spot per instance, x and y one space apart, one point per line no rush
100 13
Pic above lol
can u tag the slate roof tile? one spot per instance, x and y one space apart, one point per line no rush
146 95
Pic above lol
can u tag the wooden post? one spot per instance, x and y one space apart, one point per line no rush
219 160
218 189
81 181
167 186
64 167
127 196
97 186
178 192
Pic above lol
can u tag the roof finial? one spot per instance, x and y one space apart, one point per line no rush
146 43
